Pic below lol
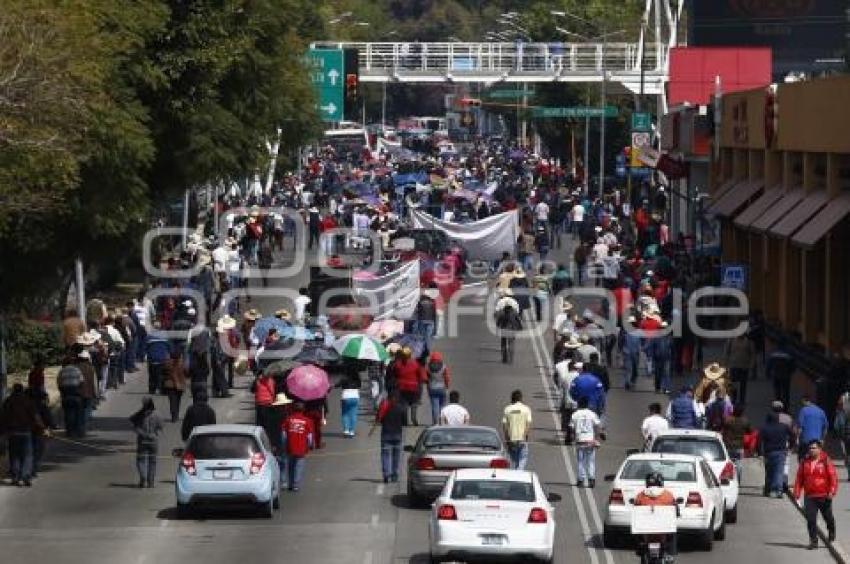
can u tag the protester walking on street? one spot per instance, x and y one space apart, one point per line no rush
297 440
653 424
158 351
588 386
516 426
773 448
409 377
841 425
264 392
779 368
199 413
439 380
350 404
454 413
391 416
681 412
174 383
69 381
147 426
587 429
811 424
39 440
19 420
817 480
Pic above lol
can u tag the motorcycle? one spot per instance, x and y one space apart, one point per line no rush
653 525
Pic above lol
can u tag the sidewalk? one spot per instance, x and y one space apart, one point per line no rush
759 397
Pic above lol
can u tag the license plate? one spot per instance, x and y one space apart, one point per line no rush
222 474
492 540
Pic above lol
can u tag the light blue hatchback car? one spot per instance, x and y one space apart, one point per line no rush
227 465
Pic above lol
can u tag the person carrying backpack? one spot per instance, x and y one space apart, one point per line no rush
69 380
439 381
717 411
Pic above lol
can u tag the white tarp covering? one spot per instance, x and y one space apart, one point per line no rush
393 295
485 240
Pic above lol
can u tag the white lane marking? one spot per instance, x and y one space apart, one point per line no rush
368 557
229 415
379 490
163 524
545 369
375 518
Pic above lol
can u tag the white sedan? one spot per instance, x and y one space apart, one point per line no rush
691 481
709 445
492 514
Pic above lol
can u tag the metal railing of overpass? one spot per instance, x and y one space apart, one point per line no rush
510 62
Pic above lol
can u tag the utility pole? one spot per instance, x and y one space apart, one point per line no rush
586 163
384 108
185 233
602 119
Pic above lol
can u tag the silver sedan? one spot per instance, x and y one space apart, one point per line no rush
442 449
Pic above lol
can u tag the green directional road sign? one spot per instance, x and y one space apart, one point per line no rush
508 94
328 77
574 112
641 121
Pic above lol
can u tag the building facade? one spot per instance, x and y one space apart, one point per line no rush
781 188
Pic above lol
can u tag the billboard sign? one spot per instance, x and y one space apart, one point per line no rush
800 32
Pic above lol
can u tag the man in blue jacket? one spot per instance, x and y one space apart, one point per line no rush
681 412
158 351
812 425
588 385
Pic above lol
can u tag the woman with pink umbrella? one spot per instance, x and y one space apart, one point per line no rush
311 384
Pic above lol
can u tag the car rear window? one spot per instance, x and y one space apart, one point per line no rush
222 447
708 448
446 438
501 490
670 470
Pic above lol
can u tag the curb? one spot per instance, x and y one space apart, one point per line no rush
835 549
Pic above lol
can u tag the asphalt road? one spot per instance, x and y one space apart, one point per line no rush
85 507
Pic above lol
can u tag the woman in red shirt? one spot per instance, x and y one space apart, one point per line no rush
409 376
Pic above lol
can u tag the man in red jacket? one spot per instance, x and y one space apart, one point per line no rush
817 479
296 433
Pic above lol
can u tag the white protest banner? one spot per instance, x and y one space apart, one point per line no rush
485 240
396 294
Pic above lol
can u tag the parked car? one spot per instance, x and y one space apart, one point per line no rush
442 449
689 478
227 465
709 445
492 514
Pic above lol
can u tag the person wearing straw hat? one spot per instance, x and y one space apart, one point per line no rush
713 377
223 369
281 408
508 321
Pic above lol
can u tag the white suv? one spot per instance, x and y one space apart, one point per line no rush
709 445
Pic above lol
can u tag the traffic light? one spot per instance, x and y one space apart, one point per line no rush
351 94
351 82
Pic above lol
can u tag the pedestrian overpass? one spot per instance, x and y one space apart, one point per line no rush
637 67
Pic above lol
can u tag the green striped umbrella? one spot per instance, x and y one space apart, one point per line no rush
361 347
